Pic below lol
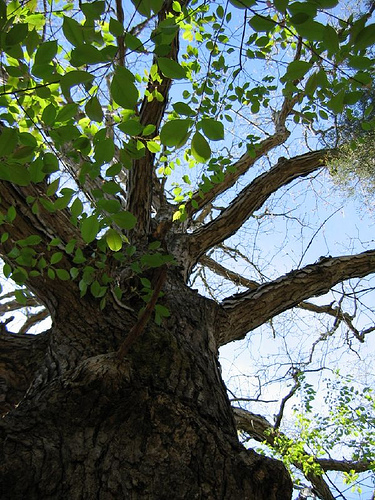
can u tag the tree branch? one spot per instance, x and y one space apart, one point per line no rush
140 179
199 199
258 428
251 198
245 311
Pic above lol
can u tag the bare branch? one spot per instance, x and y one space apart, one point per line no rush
245 311
251 198
33 319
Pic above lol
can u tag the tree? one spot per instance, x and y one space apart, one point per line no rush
103 103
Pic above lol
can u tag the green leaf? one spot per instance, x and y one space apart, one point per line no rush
175 132
183 109
115 27
133 43
212 129
171 69
16 34
124 219
93 10
297 70
46 52
131 127
31 240
242 4
94 110
20 297
56 257
86 54
311 30
200 148
281 5
49 115
326 4
262 23
89 228
8 141
53 187
73 31
360 62
113 240
331 39
63 274
162 311
365 37
153 147
337 102
123 90
73 78
67 112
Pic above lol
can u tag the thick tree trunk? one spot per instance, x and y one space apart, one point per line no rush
155 425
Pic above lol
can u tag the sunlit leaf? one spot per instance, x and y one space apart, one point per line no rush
174 132
113 240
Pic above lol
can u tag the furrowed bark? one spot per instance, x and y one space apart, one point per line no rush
246 311
20 358
252 198
329 309
141 175
258 428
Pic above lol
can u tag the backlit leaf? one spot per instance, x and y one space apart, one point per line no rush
174 132
200 148
113 240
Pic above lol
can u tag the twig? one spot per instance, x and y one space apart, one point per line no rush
139 327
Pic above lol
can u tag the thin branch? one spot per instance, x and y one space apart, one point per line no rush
145 316
33 319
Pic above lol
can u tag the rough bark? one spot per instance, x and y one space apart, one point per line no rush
245 311
155 425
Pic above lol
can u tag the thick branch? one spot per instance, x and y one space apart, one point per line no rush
251 198
20 358
261 430
140 180
335 312
245 311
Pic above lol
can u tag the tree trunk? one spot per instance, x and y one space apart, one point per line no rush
154 425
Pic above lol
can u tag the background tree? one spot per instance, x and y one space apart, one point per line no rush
117 195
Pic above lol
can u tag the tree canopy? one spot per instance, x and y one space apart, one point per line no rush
148 138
